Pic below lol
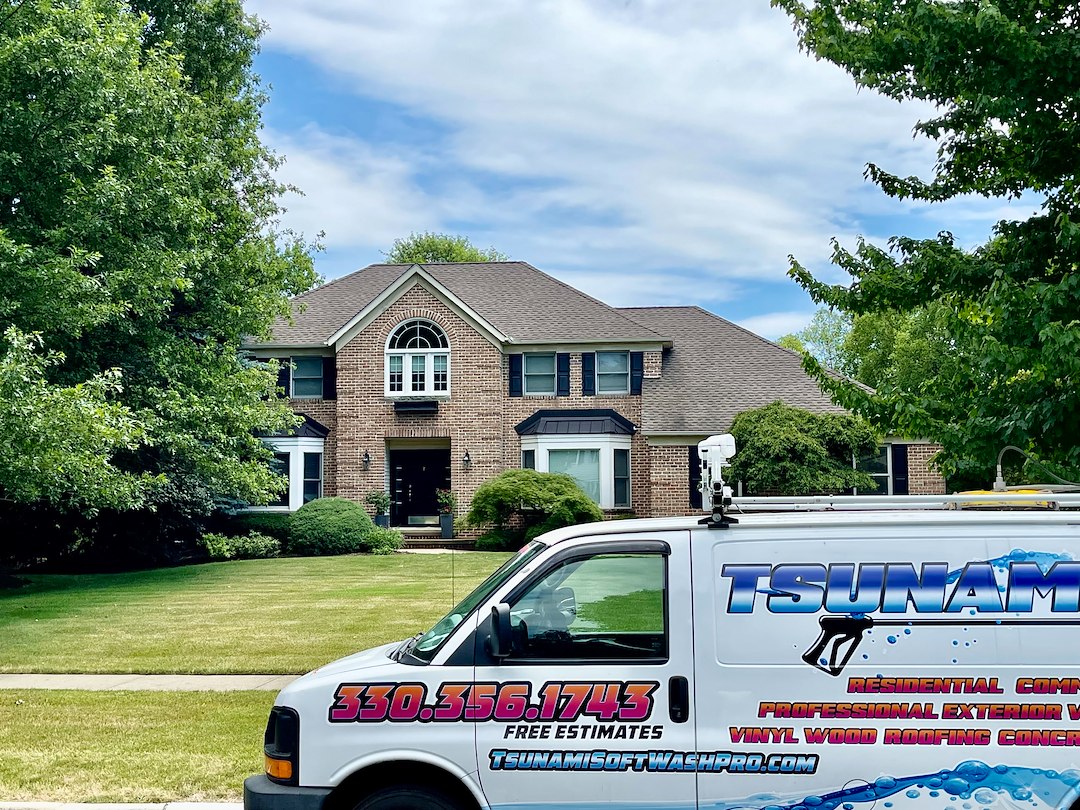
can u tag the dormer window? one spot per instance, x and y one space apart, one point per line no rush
417 360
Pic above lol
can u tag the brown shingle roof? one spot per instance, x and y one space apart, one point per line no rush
716 370
520 301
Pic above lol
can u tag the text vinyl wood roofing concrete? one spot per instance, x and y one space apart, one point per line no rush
522 302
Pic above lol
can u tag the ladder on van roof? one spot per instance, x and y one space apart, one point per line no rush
1022 499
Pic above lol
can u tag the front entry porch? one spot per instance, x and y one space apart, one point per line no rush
416 473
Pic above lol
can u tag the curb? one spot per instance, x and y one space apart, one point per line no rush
120 806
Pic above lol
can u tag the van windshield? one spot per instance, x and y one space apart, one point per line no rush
429 643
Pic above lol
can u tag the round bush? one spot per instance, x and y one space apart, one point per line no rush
329 526
384 541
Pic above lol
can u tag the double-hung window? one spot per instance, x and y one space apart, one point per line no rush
877 466
613 372
307 377
539 372
417 360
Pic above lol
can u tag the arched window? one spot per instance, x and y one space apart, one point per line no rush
417 360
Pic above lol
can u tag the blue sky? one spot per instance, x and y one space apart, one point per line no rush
647 152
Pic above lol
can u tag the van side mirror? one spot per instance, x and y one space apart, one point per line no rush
501 640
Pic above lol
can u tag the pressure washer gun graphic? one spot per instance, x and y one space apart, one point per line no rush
840 635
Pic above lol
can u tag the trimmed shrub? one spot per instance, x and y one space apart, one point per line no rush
273 524
253 546
498 540
329 526
523 504
384 541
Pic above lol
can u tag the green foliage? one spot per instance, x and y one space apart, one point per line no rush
251 546
58 443
273 524
439 248
791 341
499 540
528 503
329 526
139 239
789 451
384 541
824 338
447 501
378 500
1006 97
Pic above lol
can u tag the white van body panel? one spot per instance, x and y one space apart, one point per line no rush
964 637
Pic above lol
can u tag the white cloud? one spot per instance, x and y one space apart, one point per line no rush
775 324
664 135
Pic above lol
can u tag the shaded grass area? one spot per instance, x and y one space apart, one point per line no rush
260 616
129 746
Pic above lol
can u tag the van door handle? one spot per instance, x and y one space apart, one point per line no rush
678 699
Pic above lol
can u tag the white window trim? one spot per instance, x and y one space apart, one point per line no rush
605 443
406 367
554 374
887 475
295 447
597 372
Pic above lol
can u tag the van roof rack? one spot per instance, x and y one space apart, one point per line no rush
1028 499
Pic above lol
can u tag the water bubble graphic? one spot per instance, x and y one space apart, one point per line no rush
812 801
934 794
885 783
957 786
1021 793
956 642
985 796
975 771
913 794
907 631
892 639
1001 769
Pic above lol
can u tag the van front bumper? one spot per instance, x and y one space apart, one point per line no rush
262 794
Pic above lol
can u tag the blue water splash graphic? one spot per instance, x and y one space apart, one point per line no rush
971 780
972 785
1044 559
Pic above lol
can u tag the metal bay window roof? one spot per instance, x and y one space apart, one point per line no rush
581 421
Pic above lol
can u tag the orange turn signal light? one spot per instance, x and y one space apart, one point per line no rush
278 768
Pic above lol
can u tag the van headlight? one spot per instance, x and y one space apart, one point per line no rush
281 745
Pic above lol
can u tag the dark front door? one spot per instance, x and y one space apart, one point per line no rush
415 475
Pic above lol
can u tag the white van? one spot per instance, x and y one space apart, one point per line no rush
860 660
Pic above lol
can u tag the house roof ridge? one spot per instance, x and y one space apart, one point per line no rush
594 300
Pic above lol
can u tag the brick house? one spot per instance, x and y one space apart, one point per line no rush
413 378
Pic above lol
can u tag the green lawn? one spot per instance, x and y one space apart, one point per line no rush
273 616
129 746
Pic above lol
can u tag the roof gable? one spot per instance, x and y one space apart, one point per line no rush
512 300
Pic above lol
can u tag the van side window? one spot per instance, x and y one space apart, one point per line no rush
608 607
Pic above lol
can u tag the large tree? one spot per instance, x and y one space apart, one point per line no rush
439 248
139 243
1002 74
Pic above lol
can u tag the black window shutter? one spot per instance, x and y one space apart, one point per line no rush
562 375
329 378
284 375
515 375
899 469
637 371
695 477
588 374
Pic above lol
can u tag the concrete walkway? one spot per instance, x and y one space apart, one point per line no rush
160 683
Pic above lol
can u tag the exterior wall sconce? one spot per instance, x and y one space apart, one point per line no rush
366 460
466 460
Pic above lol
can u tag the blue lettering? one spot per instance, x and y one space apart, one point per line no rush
801 587
925 590
1062 581
976 588
847 593
744 583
